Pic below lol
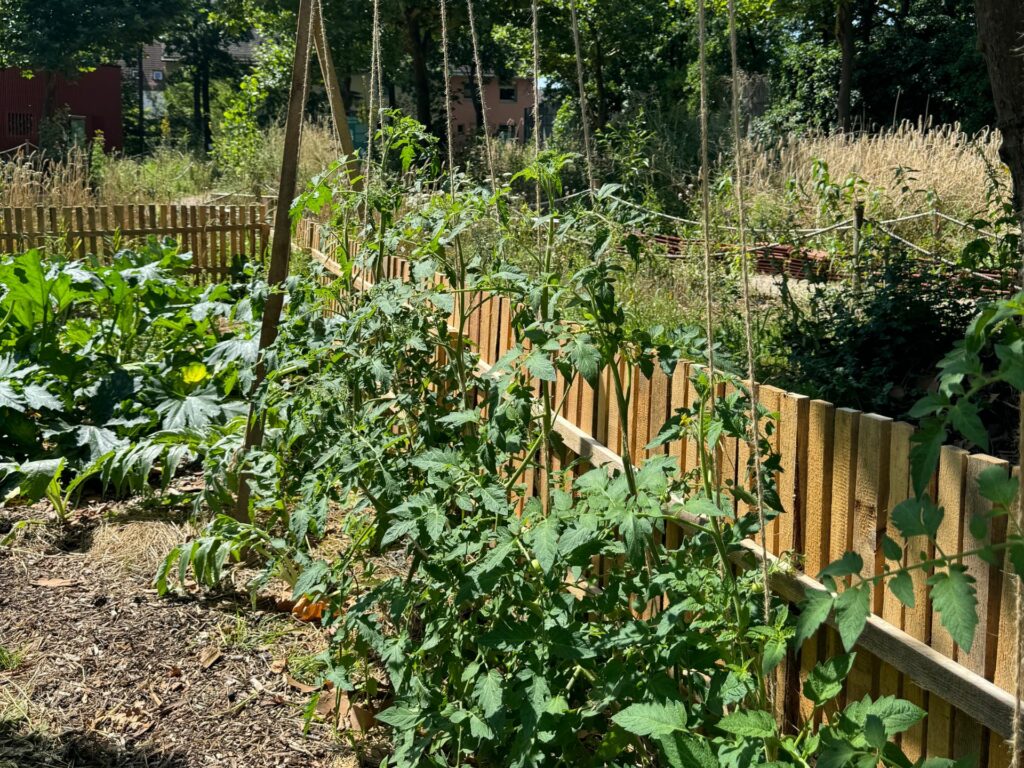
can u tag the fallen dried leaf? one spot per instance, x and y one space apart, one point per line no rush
208 656
308 610
277 666
300 686
360 718
54 583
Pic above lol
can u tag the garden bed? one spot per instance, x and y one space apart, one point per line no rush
98 671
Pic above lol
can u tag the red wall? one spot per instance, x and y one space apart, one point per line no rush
96 96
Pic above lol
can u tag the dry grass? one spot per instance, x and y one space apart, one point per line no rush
28 179
167 175
135 548
906 169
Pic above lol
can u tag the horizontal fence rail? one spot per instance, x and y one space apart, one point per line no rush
214 234
843 471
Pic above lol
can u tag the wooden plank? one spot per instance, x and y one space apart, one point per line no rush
871 490
679 398
968 737
8 243
614 427
640 418
793 448
816 522
844 480
972 693
1000 752
952 472
890 682
659 407
771 399
94 241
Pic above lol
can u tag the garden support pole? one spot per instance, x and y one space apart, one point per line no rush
280 248
330 75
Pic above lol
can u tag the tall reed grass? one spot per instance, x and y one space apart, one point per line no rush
907 169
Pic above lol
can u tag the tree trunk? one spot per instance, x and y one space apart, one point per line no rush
1000 37
197 109
142 101
599 84
844 34
418 44
207 131
478 107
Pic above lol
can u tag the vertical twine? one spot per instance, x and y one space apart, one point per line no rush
536 96
373 106
1017 736
705 194
483 101
583 94
755 426
447 97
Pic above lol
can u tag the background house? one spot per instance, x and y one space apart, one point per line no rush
93 101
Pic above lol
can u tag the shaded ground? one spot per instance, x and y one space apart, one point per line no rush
96 671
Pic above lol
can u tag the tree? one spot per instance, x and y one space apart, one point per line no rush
1001 37
201 36
65 37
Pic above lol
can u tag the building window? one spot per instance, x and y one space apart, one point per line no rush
19 123
507 92
77 130
158 75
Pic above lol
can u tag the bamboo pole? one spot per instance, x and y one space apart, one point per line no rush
281 245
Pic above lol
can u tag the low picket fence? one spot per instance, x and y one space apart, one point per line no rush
843 471
216 235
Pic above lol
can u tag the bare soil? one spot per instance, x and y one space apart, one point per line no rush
97 671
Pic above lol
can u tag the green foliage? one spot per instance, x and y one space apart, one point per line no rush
114 368
470 603
873 347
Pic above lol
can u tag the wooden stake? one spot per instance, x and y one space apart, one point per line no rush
281 246
330 75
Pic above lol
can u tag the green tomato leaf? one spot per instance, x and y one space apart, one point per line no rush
754 723
683 750
652 719
813 613
852 611
825 681
902 586
488 691
993 483
953 595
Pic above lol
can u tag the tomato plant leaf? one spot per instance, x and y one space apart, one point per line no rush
953 596
652 719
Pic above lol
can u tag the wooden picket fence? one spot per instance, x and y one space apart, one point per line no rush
214 234
843 471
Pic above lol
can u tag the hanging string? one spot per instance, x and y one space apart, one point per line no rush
1017 736
447 98
373 105
536 99
755 425
583 95
483 101
705 195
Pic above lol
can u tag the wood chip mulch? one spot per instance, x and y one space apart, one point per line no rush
101 672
